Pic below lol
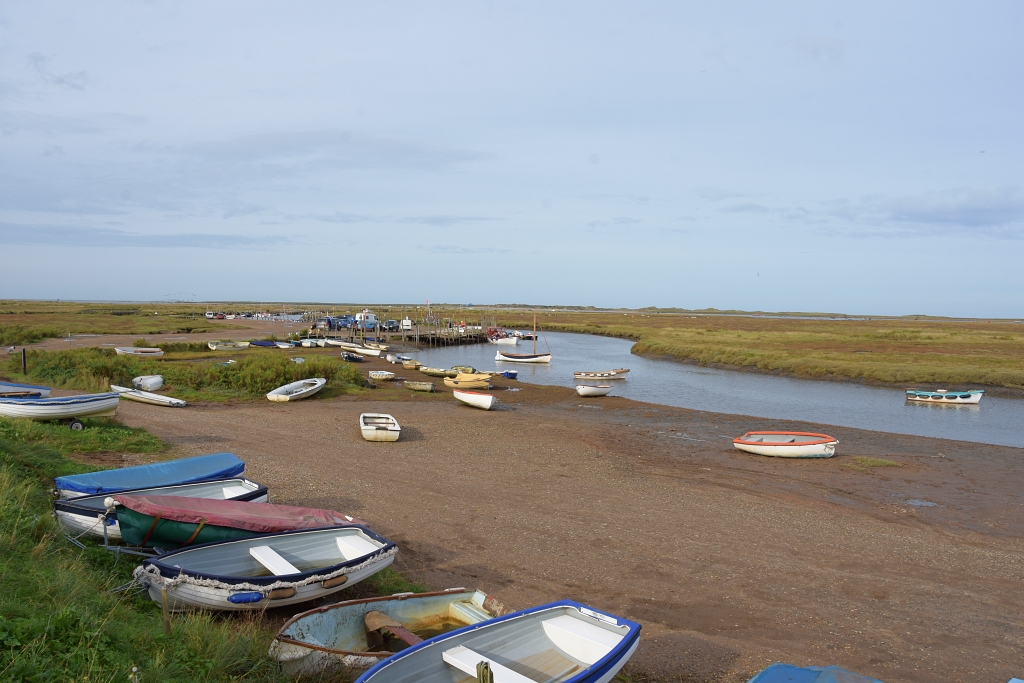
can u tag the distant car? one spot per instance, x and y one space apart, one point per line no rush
391 326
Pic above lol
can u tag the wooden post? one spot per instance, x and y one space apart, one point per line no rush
24 363
166 611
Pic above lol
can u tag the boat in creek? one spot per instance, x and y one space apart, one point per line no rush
602 374
357 634
88 515
561 642
165 473
946 397
379 427
525 357
787 444
269 570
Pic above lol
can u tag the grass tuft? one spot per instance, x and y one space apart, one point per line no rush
863 463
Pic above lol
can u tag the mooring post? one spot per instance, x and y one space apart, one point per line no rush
24 363
166 611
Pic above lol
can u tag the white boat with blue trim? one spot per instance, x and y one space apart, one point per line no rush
60 407
946 396
16 390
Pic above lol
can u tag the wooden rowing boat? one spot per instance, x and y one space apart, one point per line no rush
523 357
467 383
379 427
382 375
475 399
297 390
603 374
787 444
419 386
410 364
434 372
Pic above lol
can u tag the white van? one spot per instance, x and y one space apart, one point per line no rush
366 320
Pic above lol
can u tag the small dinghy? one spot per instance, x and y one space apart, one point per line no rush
60 407
411 364
149 382
787 444
297 391
227 345
166 473
147 397
787 673
309 343
364 351
434 372
599 390
272 570
357 634
16 390
376 346
351 357
138 351
382 375
463 369
87 515
467 383
510 374
523 357
510 341
402 357
391 358
379 427
419 386
602 374
475 399
561 642
284 345
263 343
946 397
174 521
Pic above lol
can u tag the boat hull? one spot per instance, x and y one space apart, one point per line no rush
601 375
474 399
15 389
467 383
523 357
379 427
138 351
593 391
146 397
382 375
971 397
296 391
787 444
60 408
505 341
419 386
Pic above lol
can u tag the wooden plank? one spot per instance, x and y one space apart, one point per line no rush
275 564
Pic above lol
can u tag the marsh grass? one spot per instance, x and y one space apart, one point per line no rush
863 463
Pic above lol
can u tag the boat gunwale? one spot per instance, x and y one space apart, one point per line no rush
823 438
67 504
60 400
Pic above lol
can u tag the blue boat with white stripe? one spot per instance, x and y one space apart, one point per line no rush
167 473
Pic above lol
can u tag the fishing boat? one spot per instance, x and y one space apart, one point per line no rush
173 521
284 345
141 351
787 444
271 570
351 357
593 390
88 515
945 396
602 375
419 386
297 391
467 383
382 375
166 473
149 382
263 343
16 390
147 397
227 345
60 407
357 634
475 399
434 372
509 374
379 427
411 364
561 642
787 673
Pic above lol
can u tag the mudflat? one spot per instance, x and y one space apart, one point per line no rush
910 572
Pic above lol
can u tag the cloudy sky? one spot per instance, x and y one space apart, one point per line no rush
821 156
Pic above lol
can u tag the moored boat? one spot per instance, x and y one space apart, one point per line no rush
522 357
379 427
270 570
475 399
142 351
602 374
296 391
419 386
560 642
149 382
16 390
341 634
467 383
593 390
946 396
60 407
147 397
787 444
166 473
510 341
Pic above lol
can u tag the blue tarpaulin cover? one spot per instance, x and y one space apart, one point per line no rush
168 473
787 673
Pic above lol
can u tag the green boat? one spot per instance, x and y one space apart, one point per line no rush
433 372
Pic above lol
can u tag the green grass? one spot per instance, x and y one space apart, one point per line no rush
99 436
863 463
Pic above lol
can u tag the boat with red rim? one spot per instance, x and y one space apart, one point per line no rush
787 444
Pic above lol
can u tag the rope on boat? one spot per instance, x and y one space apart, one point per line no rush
150 577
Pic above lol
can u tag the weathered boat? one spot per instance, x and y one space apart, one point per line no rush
351 357
434 372
166 473
411 364
227 345
475 399
522 357
353 635
149 382
602 374
60 407
376 345
382 375
419 386
561 642
147 397
787 673
174 521
470 376
87 515
16 390
592 390
467 383
141 351
379 427
297 391
271 570
308 343
787 444
463 369
945 396
336 342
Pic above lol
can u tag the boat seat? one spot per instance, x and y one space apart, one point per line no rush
579 639
354 546
468 612
233 491
465 660
275 564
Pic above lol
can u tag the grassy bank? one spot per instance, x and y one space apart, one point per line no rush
901 351
190 375
59 620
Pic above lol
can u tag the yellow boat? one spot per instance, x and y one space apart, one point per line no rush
433 372
469 377
467 384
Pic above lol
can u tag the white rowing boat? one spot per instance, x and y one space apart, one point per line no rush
227 345
602 375
60 408
523 357
379 427
787 444
141 351
296 391
148 382
508 341
946 397
16 390
475 399
147 397
599 390
284 345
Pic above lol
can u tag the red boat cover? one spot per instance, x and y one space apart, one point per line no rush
258 517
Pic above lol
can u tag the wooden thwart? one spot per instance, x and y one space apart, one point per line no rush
465 660
275 564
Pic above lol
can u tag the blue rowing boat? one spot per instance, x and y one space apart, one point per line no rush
787 673
25 390
167 473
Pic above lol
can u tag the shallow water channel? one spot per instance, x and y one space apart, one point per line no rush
995 421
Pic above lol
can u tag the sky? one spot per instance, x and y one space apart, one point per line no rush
857 157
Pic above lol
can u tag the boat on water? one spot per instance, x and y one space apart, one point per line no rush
602 374
141 351
88 515
593 390
16 390
561 642
787 673
945 396
297 391
173 521
351 357
787 444
382 375
353 635
467 383
227 345
419 386
60 407
147 397
523 357
166 473
475 399
507 341
149 382
379 427
270 570
434 372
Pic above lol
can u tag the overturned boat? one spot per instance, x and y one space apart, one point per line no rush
166 473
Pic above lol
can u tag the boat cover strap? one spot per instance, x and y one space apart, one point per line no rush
258 517
150 532
199 527
170 472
